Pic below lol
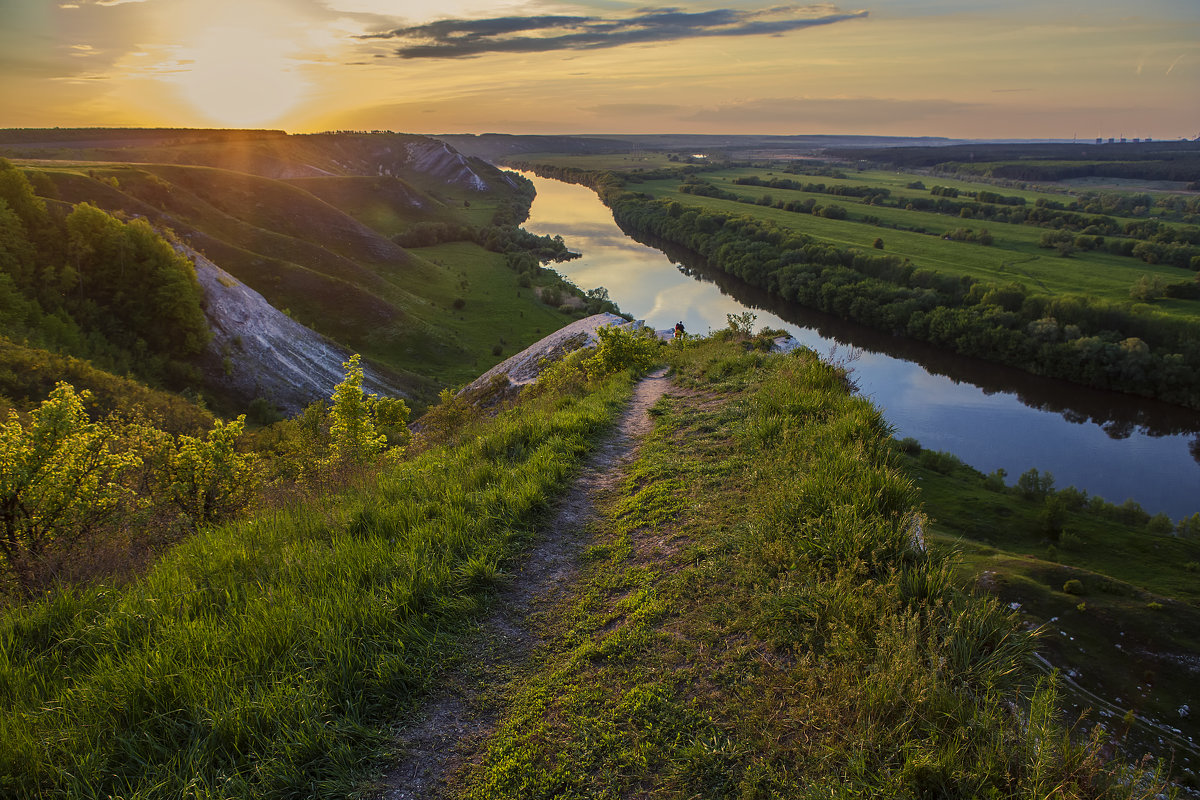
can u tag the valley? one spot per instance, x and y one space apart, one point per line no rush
293 545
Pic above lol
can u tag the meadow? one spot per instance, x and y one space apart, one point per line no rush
1014 254
320 249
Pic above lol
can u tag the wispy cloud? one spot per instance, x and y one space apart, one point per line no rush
464 38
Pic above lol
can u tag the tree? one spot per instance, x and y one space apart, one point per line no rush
352 433
58 480
618 348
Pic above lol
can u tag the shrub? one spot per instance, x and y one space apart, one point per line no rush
938 461
208 479
620 348
1074 586
58 480
1034 485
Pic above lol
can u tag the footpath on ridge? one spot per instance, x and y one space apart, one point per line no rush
448 730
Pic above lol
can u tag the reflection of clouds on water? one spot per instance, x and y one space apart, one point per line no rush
987 428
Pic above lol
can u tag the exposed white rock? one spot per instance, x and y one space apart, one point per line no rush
258 351
525 366
440 160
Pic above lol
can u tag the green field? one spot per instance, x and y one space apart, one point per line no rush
1013 256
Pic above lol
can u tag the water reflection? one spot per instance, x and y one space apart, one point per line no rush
992 417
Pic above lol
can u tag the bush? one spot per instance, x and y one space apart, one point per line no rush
938 461
58 480
620 348
1074 586
208 479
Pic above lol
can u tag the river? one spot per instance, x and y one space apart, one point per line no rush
992 417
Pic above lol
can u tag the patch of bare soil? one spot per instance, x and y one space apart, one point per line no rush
450 727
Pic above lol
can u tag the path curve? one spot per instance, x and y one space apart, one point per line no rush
455 722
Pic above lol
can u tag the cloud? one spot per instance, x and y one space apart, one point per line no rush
465 38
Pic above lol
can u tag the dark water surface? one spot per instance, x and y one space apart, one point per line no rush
1109 444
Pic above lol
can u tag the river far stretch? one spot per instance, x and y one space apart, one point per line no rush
992 417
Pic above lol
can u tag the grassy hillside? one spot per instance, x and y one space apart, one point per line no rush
755 618
1114 590
308 222
265 658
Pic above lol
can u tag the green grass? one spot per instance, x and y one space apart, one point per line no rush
498 312
754 623
1013 256
1128 627
265 659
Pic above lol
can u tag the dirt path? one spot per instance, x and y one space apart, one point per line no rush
452 725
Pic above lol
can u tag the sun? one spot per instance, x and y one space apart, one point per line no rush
236 77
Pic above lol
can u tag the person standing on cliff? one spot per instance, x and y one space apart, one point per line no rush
678 330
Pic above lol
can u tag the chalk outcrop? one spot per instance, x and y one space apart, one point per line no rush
258 351
525 367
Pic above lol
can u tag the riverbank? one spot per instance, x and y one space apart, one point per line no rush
992 417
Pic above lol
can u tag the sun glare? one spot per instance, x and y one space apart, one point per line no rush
235 77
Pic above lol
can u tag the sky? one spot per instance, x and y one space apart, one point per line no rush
980 69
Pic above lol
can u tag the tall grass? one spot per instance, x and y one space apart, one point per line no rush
263 659
762 622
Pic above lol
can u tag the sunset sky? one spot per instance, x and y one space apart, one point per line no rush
979 69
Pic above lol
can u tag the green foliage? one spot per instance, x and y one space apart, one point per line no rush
619 348
353 439
136 277
355 420
96 287
1035 485
263 658
1073 586
209 479
742 323
59 480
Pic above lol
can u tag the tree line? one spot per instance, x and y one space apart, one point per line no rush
1149 240
1078 338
